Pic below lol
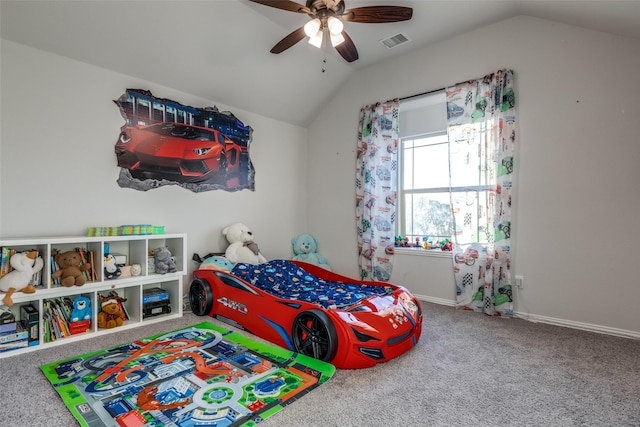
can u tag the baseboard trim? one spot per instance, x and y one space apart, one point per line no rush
434 300
590 327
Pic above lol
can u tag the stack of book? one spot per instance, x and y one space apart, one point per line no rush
13 334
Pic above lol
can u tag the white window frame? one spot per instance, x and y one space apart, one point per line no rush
451 191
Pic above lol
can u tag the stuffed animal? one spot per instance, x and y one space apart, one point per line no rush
136 269
71 269
164 262
218 263
111 269
241 247
24 265
304 249
111 314
81 309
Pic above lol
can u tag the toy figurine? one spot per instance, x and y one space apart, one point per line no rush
111 269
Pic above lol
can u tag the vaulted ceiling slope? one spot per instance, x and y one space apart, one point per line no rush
219 49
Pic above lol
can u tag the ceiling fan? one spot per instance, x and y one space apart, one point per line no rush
328 15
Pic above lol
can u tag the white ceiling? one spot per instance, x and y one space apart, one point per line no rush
219 49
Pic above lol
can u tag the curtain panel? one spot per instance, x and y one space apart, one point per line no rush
482 135
376 188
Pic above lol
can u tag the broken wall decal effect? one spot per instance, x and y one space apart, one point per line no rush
166 143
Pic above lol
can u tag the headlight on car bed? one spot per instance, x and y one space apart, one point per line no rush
410 305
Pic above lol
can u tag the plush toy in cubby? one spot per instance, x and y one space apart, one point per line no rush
111 313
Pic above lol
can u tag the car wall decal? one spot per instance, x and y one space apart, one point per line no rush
166 143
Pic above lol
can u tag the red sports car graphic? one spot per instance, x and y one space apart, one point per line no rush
177 152
313 311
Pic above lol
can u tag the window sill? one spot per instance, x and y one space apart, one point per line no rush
435 253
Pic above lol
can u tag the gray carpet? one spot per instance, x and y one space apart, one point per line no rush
468 370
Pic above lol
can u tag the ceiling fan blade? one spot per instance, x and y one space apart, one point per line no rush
291 6
347 49
378 14
291 39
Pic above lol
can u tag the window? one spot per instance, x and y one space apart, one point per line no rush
425 193
424 187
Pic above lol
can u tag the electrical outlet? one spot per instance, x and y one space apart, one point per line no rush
520 282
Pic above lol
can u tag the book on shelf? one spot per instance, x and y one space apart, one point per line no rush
30 317
56 316
79 327
19 335
86 260
4 262
7 327
53 265
92 261
16 340
13 345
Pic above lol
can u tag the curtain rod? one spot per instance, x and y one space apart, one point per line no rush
420 94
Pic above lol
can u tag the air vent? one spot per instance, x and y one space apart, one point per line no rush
394 41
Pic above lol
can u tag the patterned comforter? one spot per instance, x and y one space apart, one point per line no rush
286 280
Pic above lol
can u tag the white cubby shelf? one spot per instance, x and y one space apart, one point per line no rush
135 249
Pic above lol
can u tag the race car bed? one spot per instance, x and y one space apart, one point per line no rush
305 308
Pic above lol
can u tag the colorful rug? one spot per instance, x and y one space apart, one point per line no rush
196 376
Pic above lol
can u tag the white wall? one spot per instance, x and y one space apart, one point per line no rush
575 229
577 174
58 167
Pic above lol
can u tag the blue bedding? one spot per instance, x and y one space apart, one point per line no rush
285 279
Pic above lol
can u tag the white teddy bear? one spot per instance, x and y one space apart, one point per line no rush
241 248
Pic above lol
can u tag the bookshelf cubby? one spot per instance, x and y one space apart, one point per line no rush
134 249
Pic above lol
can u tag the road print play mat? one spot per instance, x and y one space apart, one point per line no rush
196 376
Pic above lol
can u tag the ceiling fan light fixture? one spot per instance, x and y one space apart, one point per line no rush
316 40
335 25
336 39
312 27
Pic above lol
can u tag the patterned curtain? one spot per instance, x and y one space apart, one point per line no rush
376 188
482 135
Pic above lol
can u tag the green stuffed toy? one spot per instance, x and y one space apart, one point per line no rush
304 249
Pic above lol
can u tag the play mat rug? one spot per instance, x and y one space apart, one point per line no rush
203 375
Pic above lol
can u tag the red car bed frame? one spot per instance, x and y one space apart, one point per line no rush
372 329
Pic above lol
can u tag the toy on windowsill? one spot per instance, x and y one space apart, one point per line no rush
111 269
81 309
446 245
71 269
24 265
111 315
425 242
